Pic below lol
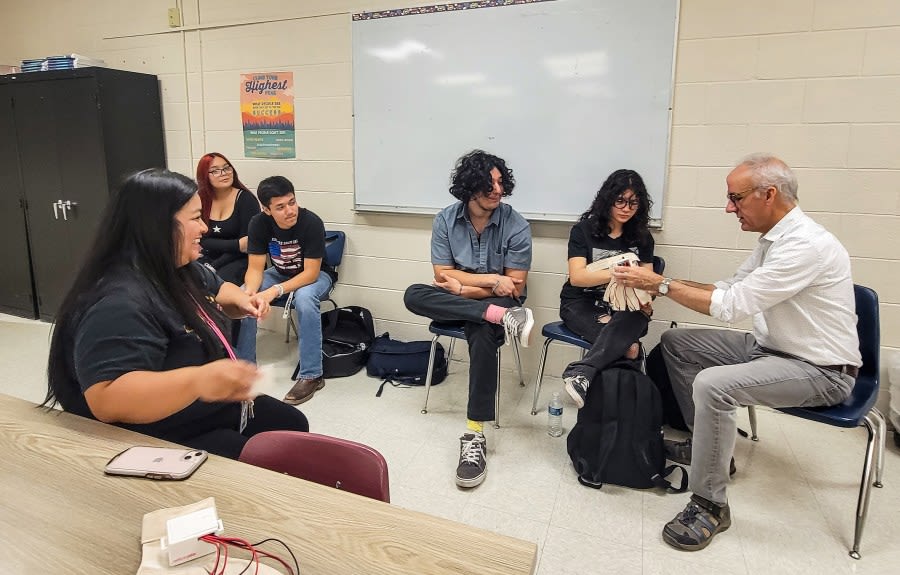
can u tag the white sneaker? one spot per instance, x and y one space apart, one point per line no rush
518 321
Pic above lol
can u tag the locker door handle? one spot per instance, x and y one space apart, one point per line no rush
56 205
67 205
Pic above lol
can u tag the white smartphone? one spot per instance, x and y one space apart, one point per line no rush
156 462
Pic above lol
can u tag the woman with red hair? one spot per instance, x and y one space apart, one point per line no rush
227 208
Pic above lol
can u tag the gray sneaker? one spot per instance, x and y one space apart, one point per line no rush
577 386
518 321
472 461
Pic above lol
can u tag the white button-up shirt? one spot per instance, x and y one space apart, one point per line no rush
797 286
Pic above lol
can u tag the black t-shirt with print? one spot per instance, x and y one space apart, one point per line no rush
583 244
288 248
131 327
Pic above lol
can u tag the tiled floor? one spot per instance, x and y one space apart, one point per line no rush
793 498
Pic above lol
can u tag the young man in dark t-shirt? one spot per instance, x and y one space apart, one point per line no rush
294 238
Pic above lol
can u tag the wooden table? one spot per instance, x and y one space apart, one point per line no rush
60 514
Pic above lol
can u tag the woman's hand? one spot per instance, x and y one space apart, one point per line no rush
255 305
226 380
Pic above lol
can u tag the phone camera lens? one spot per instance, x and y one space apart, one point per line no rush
198 453
187 456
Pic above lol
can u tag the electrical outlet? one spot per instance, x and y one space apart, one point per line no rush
174 18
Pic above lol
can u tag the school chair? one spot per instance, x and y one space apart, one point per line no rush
557 331
334 253
322 459
455 331
858 409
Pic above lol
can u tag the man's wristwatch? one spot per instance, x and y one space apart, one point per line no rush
663 288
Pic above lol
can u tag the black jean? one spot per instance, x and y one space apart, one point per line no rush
219 434
610 340
483 338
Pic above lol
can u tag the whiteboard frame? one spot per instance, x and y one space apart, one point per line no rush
656 220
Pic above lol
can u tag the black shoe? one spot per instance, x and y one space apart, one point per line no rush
680 452
577 386
472 466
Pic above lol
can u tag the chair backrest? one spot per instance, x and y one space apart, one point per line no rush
868 328
334 247
659 265
331 461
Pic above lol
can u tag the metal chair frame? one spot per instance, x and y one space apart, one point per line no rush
858 410
455 331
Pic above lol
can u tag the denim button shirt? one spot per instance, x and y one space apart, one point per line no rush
505 242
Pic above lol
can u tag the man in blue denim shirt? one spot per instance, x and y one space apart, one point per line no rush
481 254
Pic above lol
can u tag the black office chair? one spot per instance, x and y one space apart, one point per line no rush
858 409
557 331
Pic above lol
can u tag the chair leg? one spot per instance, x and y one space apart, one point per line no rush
518 362
873 426
450 350
497 405
751 409
287 328
430 367
879 448
540 375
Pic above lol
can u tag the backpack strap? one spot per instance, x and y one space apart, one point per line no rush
642 444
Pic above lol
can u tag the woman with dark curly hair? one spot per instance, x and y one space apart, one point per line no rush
228 206
615 223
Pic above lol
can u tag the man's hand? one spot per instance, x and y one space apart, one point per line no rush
637 277
506 286
449 284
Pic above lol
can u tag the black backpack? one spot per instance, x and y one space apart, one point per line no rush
347 334
404 362
618 438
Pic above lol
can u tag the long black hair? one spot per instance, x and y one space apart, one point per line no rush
636 229
138 231
472 176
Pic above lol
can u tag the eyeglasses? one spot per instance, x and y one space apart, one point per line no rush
736 198
223 171
623 203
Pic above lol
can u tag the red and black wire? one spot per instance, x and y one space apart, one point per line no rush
222 543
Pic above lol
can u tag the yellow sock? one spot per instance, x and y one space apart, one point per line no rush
476 426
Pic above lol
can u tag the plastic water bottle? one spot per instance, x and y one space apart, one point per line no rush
554 416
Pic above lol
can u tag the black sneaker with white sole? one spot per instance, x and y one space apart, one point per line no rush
472 466
577 387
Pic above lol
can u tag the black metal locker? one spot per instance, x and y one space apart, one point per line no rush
75 135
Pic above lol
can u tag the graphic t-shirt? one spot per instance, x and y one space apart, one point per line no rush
289 248
583 244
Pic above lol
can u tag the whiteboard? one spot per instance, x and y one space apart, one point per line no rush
566 91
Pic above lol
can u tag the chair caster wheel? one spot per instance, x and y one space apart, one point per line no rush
533 412
855 554
424 411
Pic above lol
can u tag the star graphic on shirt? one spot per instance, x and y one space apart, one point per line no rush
217 229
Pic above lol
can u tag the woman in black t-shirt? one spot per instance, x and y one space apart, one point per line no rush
615 223
139 337
228 207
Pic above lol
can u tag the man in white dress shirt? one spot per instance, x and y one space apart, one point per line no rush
803 350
